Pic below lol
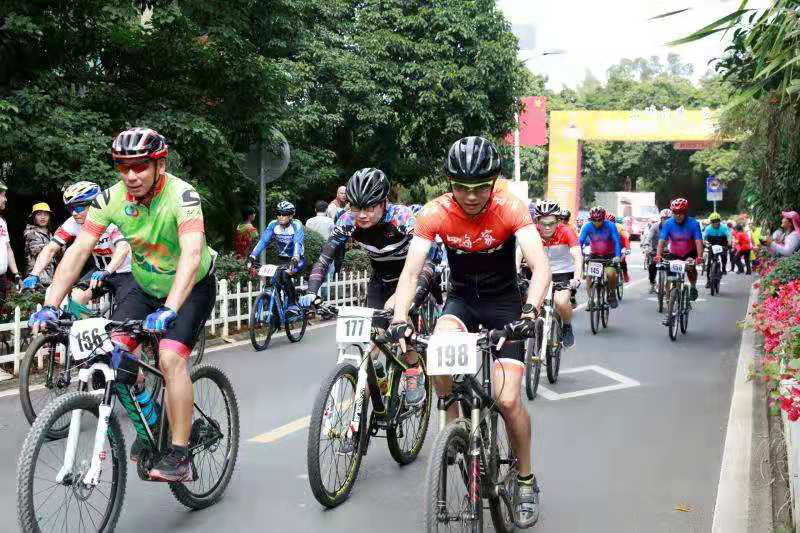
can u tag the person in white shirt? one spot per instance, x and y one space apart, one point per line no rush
7 261
323 224
785 241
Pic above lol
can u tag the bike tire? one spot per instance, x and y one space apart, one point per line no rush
716 275
533 369
332 498
39 436
554 352
620 285
194 495
661 291
260 342
199 347
504 468
672 328
35 401
394 439
684 310
605 309
455 436
594 309
293 333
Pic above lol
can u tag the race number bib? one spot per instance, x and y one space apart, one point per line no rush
88 337
716 249
354 324
677 267
452 353
267 271
595 269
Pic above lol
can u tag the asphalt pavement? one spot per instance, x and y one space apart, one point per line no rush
629 439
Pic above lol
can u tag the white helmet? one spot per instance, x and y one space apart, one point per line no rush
665 213
81 192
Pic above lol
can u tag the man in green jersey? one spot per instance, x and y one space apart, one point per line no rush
161 218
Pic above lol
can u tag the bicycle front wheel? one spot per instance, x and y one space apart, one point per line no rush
595 307
504 468
533 364
260 330
554 352
620 284
409 425
45 504
684 310
605 310
199 347
673 305
55 379
448 506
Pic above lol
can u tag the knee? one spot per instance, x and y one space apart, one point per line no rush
509 403
171 363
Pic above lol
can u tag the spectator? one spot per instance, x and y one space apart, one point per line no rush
339 204
7 261
732 249
321 224
246 234
786 240
743 247
37 235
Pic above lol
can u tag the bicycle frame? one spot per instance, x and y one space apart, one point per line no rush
273 291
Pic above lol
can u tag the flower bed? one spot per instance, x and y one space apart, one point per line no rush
776 316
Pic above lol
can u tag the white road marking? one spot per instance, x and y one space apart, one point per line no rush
624 382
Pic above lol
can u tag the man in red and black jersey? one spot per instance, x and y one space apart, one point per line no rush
480 222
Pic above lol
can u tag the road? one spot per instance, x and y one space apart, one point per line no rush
629 439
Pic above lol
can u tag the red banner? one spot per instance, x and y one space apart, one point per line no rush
532 122
691 145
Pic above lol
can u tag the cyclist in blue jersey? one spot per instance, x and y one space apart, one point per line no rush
605 243
289 236
718 233
685 240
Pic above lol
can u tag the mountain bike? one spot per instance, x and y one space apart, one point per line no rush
471 459
598 306
269 312
78 481
546 343
714 267
678 302
342 424
620 281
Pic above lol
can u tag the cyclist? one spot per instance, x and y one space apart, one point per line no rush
625 242
566 263
173 267
650 246
685 240
480 221
717 233
111 253
605 244
290 236
384 230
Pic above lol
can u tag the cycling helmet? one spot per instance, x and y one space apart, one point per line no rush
714 217
665 213
565 214
136 143
597 213
610 217
285 208
679 206
545 208
80 193
367 187
472 160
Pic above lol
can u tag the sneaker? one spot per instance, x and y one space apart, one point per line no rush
567 336
348 445
526 503
294 311
415 386
612 300
138 446
693 293
173 467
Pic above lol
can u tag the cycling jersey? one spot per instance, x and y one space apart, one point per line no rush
681 237
720 235
289 240
558 249
604 241
153 230
624 241
386 244
102 251
480 249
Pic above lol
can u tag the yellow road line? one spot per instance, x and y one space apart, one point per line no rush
279 433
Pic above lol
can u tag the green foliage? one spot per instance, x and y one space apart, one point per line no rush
26 300
787 269
356 260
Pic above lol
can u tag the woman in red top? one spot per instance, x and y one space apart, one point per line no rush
743 246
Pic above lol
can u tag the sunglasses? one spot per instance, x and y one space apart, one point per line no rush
477 189
138 168
78 208
548 224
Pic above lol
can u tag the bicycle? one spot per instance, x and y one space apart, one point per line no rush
598 306
269 312
714 268
340 428
93 472
471 458
678 301
549 352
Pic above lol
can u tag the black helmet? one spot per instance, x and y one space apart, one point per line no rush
285 208
367 187
472 159
546 208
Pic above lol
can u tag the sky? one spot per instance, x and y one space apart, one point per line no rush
595 34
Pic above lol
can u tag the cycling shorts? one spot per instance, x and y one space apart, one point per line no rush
492 313
692 253
192 315
379 292
563 277
120 284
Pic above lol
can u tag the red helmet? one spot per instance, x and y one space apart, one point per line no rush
135 143
610 217
597 213
679 206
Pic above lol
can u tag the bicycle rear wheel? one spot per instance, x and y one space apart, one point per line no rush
595 308
672 316
504 468
56 381
620 284
533 364
295 329
214 440
684 309
553 362
605 310
332 472
199 347
447 496
661 291
261 331
406 432
44 504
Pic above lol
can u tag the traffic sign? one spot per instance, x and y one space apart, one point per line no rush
714 188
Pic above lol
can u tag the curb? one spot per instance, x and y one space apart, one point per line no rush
742 503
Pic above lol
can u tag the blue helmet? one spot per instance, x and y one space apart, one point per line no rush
80 193
285 208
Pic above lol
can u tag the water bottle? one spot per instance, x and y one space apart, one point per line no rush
148 406
380 371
